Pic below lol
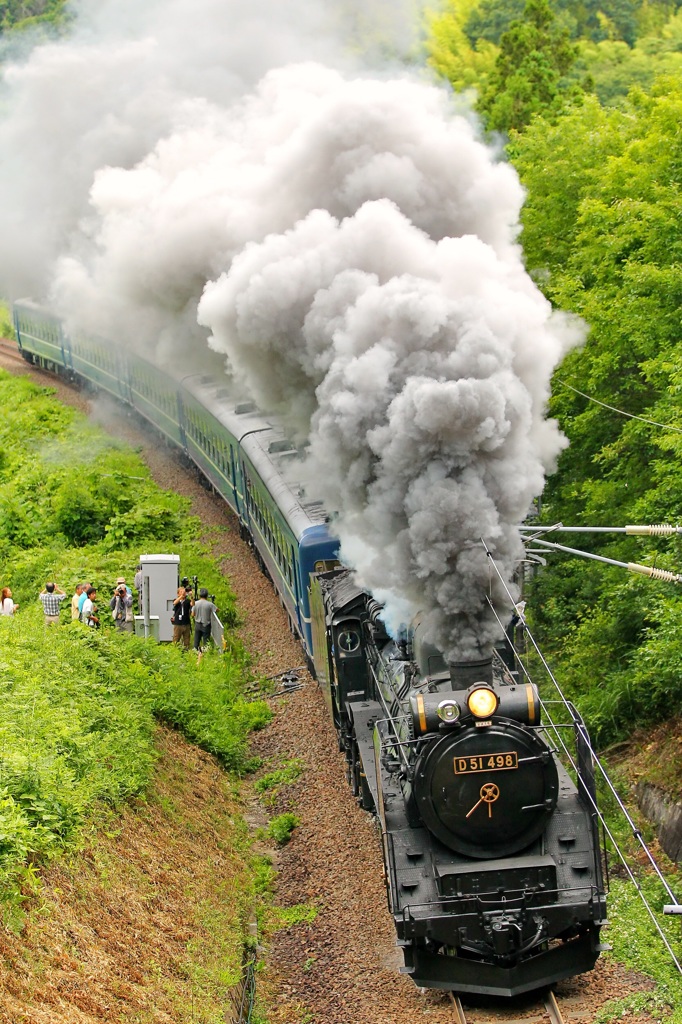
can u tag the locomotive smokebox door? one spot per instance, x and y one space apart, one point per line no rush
486 793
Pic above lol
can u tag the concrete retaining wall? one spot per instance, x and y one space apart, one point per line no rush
665 814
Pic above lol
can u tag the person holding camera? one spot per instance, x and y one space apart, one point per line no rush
51 598
121 606
182 625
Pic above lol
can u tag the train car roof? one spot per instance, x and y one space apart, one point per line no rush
238 417
272 454
275 458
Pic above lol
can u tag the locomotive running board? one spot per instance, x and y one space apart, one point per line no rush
363 715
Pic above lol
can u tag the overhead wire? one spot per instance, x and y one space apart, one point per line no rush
621 412
577 722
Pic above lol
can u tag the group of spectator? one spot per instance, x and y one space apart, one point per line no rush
85 609
83 604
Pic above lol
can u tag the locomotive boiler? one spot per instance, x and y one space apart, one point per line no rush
492 860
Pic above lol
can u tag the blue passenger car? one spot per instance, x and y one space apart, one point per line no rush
154 394
100 362
244 456
213 424
290 533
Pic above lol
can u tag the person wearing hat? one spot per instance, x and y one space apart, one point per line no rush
121 605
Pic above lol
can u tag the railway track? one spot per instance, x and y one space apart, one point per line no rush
9 349
550 1012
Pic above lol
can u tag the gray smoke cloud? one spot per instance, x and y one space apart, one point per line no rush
419 370
219 181
132 75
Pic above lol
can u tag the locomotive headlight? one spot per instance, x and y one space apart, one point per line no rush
448 711
482 701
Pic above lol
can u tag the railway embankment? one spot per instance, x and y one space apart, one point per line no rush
649 764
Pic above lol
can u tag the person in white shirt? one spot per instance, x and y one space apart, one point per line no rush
7 605
89 611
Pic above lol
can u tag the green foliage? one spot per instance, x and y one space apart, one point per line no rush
601 231
78 707
271 782
21 14
490 19
619 44
622 275
281 827
637 945
602 619
449 51
559 164
64 482
301 913
613 68
76 725
534 57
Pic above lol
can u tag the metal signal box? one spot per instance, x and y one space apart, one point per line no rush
160 574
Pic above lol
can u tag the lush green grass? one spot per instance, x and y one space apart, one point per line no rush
636 944
78 707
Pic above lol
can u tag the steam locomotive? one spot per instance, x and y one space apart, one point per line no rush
491 848
492 855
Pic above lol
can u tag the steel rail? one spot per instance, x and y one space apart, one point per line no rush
460 1017
552 1008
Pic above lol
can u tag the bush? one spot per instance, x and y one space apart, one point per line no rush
281 827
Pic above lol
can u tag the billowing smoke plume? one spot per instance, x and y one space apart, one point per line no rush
344 242
394 325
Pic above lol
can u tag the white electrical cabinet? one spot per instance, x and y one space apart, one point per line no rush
160 575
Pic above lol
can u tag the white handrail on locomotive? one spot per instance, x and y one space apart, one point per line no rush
658 530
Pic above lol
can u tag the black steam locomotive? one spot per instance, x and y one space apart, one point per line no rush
493 865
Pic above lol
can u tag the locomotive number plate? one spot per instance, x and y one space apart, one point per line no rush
486 762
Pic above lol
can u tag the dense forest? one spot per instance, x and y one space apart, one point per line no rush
586 98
